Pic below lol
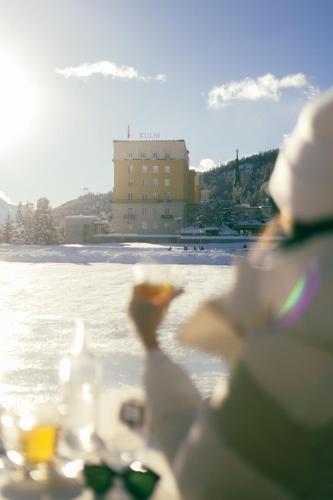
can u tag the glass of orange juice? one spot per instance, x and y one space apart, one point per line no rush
30 438
152 281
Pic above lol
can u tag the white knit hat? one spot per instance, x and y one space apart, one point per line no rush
302 180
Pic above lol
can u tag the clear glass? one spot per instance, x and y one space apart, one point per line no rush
153 281
30 438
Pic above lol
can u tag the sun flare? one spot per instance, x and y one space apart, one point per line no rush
19 103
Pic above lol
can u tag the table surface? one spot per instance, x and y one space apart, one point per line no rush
121 442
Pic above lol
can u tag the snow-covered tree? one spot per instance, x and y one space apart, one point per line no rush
18 236
8 229
28 222
44 229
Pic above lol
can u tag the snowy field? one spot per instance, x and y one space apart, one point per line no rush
43 289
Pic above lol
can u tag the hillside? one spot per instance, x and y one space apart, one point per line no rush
90 204
254 171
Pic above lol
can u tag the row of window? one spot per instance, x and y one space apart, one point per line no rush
145 226
155 156
156 196
144 211
144 182
145 169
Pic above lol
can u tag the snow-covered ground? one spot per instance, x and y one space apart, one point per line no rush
43 289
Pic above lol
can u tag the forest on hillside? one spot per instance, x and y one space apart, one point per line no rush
254 171
99 204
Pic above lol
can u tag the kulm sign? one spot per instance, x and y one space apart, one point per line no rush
149 136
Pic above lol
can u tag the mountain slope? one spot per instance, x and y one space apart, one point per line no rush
89 204
254 171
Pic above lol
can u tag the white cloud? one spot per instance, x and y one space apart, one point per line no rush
6 198
205 165
266 87
108 69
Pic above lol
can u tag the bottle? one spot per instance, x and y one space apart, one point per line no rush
80 376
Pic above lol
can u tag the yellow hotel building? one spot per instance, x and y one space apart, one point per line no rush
152 186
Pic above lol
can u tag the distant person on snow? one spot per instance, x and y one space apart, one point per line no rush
169 249
194 248
270 435
185 247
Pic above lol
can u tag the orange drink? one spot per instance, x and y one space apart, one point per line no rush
39 443
156 293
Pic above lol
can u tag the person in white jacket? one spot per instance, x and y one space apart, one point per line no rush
271 436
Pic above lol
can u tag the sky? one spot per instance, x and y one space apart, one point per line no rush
75 74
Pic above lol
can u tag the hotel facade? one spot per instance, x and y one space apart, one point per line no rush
152 186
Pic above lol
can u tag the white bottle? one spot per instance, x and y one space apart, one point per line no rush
80 376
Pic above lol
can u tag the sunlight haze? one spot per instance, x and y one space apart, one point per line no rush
76 75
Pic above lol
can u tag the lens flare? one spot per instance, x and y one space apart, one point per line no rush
299 299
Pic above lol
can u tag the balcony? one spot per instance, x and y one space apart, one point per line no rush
167 216
129 216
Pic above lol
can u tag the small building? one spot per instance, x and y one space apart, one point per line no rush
205 194
81 228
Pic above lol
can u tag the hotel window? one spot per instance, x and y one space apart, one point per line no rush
167 211
130 169
144 197
166 182
167 196
144 210
167 156
155 169
144 169
155 182
130 196
167 169
155 212
155 156
130 181
130 156
142 156
144 182
155 196
144 224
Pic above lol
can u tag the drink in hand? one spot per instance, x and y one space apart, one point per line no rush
156 293
152 282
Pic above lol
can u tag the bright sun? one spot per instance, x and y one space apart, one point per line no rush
19 103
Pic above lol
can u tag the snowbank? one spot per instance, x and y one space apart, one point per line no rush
122 253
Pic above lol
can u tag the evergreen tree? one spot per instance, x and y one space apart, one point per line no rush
18 236
44 229
8 229
28 223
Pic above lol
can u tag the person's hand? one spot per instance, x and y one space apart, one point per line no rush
147 316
